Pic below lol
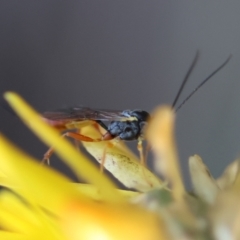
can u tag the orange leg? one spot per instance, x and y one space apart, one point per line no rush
143 157
79 137
109 145
76 136
140 149
105 137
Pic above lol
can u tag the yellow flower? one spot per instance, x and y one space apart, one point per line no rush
37 202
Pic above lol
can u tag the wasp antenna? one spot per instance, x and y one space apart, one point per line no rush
194 62
203 82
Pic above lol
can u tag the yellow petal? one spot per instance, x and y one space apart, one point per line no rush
14 236
93 193
121 162
161 137
229 175
28 178
74 159
225 215
106 222
204 184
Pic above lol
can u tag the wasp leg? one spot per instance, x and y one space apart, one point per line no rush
105 137
76 136
108 145
140 149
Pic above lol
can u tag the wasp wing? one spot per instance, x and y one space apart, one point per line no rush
84 113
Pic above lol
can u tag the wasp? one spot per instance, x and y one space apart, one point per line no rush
124 125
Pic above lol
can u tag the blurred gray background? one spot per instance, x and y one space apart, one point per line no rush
126 55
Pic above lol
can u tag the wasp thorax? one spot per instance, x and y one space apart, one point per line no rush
140 115
125 130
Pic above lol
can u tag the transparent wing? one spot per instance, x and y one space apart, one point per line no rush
84 113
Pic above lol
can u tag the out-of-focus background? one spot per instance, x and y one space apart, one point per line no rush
126 55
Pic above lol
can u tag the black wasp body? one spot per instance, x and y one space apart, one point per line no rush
125 125
129 129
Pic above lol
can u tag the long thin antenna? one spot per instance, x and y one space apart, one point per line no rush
186 78
203 82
